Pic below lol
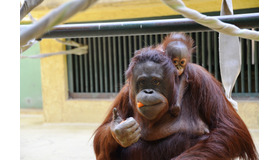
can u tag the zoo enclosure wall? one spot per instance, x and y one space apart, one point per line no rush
81 101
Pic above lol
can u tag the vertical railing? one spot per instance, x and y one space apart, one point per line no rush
102 69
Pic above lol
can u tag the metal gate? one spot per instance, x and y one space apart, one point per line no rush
100 73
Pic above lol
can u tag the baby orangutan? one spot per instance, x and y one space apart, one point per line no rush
179 48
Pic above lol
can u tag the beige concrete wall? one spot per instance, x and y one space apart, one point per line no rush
249 112
126 9
56 105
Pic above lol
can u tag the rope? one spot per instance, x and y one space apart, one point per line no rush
55 17
27 6
80 50
211 22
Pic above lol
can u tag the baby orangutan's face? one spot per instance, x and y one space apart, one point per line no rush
180 63
178 52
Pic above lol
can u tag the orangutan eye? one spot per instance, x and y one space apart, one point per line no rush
183 62
175 61
142 82
156 82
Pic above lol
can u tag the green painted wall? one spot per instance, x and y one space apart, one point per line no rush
30 80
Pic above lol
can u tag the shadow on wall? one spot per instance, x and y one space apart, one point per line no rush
30 80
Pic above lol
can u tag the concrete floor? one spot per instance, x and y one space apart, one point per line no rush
61 141
58 141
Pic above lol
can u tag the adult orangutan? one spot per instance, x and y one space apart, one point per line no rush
139 125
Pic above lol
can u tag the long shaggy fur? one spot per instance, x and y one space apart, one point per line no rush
204 98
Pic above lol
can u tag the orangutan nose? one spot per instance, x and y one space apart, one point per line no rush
148 91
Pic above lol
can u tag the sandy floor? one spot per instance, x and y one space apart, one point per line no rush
47 141
61 141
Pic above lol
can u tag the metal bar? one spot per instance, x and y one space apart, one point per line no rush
125 53
140 42
92 95
197 47
105 55
192 54
246 96
100 65
129 48
135 43
70 71
120 62
156 39
81 70
209 52
115 63
203 49
145 27
76 73
90 55
236 86
256 67
216 61
240 96
110 64
151 40
242 66
191 59
161 38
249 59
86 69
145 41
96 84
